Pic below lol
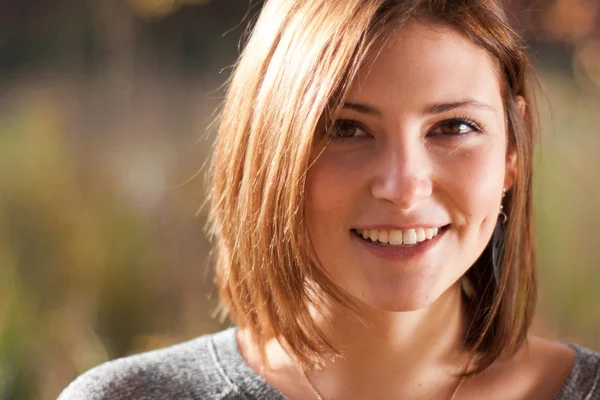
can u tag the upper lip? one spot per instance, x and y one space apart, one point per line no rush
400 228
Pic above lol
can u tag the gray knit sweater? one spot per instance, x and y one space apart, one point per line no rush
211 367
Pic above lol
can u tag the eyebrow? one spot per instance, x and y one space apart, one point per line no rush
437 108
362 108
444 107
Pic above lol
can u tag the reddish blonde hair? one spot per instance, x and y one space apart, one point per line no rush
293 73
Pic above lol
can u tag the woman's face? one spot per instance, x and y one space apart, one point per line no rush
418 157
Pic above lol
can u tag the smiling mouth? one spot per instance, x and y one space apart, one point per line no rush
399 238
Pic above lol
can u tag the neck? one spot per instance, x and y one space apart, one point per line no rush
412 352
433 334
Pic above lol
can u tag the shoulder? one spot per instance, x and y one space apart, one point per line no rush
563 371
190 370
541 370
583 381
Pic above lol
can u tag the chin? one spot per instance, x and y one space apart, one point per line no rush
406 302
401 298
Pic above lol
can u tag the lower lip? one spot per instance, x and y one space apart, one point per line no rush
395 253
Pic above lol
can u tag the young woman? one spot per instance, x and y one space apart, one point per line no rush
372 217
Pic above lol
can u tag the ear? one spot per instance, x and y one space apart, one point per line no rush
510 174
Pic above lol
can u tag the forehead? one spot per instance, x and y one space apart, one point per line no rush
427 61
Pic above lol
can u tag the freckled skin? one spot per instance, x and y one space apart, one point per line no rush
404 170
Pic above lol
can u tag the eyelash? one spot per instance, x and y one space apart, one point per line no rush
475 126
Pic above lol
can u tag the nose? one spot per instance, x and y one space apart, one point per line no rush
403 175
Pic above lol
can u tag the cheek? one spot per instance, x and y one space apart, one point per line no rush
333 186
475 183
324 207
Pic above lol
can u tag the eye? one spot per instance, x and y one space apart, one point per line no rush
457 127
348 129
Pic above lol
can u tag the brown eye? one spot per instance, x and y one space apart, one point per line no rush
346 129
456 127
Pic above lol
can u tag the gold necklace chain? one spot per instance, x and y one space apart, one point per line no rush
319 397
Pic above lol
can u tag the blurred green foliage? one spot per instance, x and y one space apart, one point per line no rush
83 278
71 253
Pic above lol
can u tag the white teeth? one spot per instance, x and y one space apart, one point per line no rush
428 233
398 237
374 235
383 237
395 238
409 237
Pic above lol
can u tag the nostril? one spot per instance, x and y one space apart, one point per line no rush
403 191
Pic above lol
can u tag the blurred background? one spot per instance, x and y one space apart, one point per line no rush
104 110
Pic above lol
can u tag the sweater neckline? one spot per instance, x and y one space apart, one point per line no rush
245 381
239 375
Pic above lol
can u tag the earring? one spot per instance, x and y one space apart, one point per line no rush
501 212
498 243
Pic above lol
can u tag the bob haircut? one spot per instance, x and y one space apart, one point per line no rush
287 86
